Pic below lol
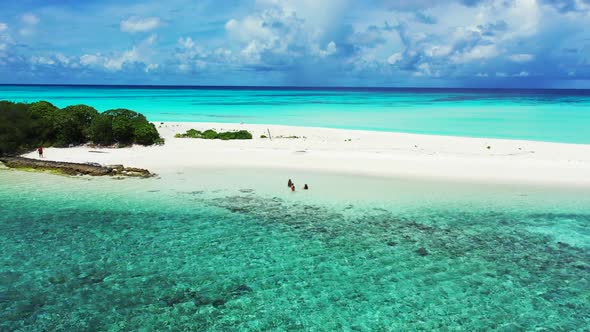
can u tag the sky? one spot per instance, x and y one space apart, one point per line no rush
404 43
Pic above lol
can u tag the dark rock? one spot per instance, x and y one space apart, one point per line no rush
235 209
59 279
175 299
200 300
422 252
241 289
218 303
9 277
92 169
93 278
9 296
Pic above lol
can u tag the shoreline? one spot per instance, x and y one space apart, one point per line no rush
354 152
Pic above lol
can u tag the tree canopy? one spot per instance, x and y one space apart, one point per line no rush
25 126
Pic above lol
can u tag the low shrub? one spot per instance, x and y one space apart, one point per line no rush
212 134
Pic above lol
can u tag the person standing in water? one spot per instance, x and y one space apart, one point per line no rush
40 151
305 187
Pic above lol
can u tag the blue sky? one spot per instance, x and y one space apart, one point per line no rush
443 43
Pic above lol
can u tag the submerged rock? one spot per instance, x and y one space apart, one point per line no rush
241 289
92 169
218 303
422 252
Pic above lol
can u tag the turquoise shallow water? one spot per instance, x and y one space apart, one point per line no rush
545 115
175 254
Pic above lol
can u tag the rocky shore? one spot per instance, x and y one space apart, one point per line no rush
74 168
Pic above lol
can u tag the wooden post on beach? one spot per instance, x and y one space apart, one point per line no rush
269 137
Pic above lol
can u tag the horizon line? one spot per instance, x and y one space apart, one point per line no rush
295 87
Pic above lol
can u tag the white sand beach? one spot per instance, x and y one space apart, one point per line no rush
381 154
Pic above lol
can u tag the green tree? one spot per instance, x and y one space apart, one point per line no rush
72 124
127 123
124 123
101 130
146 134
17 128
43 114
25 126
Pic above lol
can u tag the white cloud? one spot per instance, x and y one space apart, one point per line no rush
394 58
479 52
424 69
139 54
190 55
523 57
222 52
330 49
116 63
251 28
4 38
284 32
26 31
55 60
64 60
30 19
460 34
490 38
186 43
151 67
90 59
137 24
439 51
39 60
522 74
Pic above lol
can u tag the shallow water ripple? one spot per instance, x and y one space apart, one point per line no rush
244 261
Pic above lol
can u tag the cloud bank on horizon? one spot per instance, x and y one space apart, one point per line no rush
444 43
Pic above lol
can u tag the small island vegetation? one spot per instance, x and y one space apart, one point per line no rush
25 126
212 134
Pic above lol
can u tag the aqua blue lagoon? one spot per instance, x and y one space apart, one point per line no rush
545 115
82 254
234 250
